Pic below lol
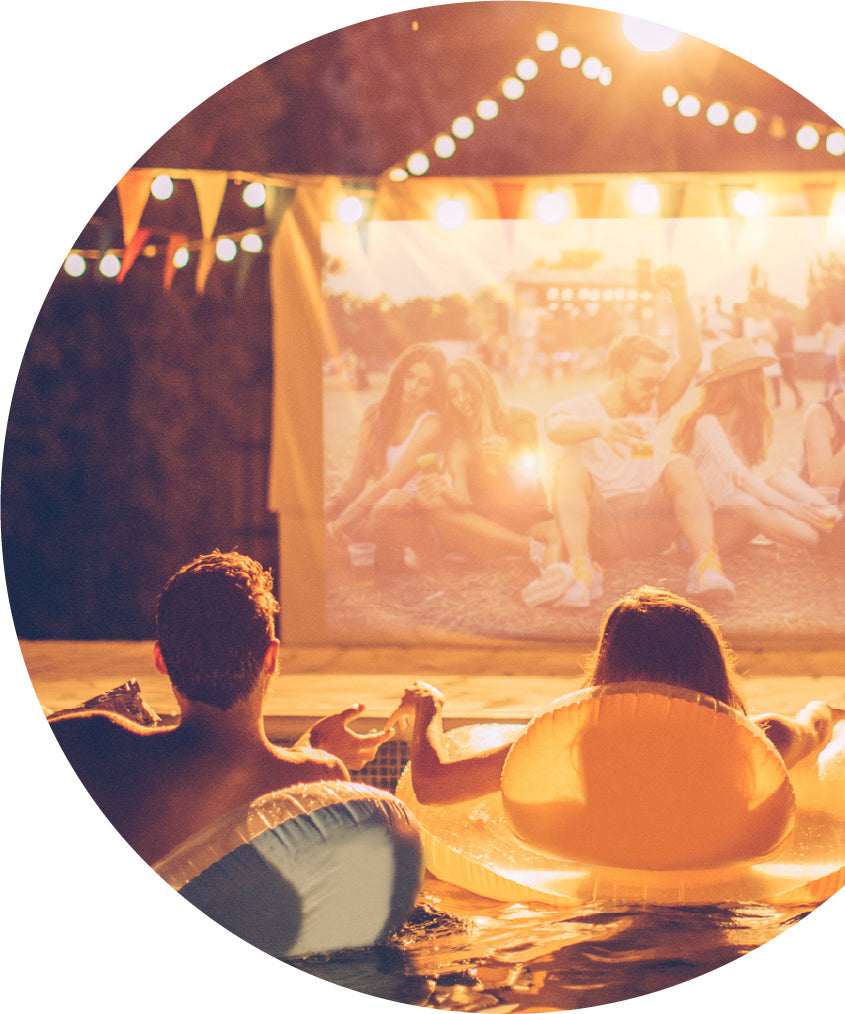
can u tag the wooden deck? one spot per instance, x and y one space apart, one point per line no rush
66 673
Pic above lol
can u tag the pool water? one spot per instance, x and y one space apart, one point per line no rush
461 952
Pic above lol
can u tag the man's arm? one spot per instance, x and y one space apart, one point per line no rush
682 372
332 735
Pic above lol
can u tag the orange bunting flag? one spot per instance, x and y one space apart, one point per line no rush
509 199
130 254
173 244
133 192
210 188
204 264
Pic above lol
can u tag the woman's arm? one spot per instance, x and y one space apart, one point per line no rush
805 734
437 780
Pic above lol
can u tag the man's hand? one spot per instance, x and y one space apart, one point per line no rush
420 702
355 749
671 277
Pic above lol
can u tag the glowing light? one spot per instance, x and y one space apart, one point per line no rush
670 96
807 137
181 256
252 243
570 57
254 195
350 210
647 36
748 204
451 214
718 114
397 174
835 143
463 127
527 69
444 146
837 207
551 208
547 42
110 266
418 163
606 76
689 105
525 468
513 88
75 265
644 198
487 109
745 122
226 249
162 188
591 68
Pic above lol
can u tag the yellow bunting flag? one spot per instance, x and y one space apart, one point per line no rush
210 188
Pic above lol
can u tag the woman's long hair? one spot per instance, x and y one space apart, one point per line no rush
655 635
485 394
745 396
385 412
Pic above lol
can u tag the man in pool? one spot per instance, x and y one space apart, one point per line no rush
610 498
217 644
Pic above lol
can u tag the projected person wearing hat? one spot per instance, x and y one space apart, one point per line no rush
726 435
823 459
610 496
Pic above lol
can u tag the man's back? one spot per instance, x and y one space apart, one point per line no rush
160 786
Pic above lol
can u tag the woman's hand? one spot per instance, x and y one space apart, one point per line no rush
420 703
333 735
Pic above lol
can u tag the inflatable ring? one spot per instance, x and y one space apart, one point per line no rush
641 793
317 867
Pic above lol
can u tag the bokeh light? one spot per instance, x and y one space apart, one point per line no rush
648 36
551 208
226 249
252 243
444 146
162 188
397 174
718 114
591 68
547 42
451 214
418 163
745 122
670 96
835 143
75 265
527 69
254 195
570 57
606 76
748 204
463 127
487 109
513 88
690 105
807 137
350 210
644 198
110 266
181 256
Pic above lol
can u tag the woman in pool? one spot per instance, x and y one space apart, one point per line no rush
650 634
491 501
727 434
377 503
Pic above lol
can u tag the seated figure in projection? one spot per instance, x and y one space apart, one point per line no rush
377 501
610 497
823 458
490 501
216 642
650 635
727 435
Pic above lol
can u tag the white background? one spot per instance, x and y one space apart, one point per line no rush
87 925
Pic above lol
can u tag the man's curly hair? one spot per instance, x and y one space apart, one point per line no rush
215 621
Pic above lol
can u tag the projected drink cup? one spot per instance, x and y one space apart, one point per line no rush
428 464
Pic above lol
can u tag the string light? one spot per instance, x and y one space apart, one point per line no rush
226 249
513 88
162 188
591 68
254 195
527 69
644 198
181 256
547 42
570 58
451 214
444 146
75 265
745 122
551 208
807 137
690 105
487 109
418 163
350 210
835 143
252 243
110 266
748 204
718 114
647 36
605 77
463 127
670 96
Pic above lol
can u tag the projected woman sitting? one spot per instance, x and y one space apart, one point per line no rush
377 500
491 500
650 635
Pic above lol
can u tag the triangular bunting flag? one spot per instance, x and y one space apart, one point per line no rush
210 188
277 200
509 199
204 264
173 244
245 262
589 198
819 197
133 192
130 254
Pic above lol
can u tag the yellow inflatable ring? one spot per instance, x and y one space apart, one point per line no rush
317 867
550 835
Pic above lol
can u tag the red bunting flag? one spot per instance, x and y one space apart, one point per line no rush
130 254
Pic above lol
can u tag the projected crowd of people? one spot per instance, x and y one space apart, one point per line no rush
445 468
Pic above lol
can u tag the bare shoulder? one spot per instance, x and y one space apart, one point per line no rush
305 764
